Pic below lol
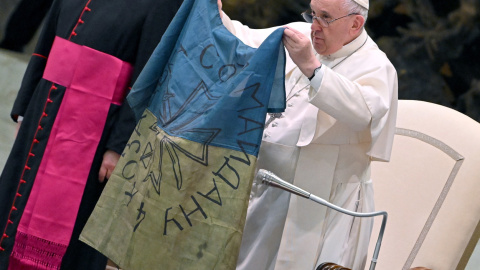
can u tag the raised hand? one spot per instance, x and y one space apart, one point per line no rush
300 49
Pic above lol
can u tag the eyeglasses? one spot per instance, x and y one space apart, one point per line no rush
308 17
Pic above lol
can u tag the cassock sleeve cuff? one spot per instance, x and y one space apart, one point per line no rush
316 82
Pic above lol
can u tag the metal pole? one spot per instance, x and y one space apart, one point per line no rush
271 179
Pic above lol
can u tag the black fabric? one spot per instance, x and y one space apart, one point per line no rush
23 23
128 30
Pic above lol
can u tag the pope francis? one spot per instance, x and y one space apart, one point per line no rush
341 109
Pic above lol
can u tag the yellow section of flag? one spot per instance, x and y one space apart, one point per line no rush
172 203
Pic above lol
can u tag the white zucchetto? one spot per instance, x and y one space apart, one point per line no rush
363 3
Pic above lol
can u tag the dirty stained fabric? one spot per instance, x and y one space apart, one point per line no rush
178 196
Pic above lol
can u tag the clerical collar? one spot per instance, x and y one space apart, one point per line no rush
349 48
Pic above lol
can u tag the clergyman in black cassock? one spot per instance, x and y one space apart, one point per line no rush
125 32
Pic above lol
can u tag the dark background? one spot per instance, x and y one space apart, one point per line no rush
433 44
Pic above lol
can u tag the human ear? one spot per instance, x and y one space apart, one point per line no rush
358 23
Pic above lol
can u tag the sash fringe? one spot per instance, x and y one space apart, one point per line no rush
33 253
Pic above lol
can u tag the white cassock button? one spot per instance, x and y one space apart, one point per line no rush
274 124
290 105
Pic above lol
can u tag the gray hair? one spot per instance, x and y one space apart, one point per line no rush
354 7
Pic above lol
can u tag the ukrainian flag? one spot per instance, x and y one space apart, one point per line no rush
179 194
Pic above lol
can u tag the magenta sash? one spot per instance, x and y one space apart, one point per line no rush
93 81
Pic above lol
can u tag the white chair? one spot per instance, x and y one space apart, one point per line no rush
430 189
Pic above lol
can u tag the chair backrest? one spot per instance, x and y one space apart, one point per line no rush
430 189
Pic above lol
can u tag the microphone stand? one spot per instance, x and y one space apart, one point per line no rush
271 179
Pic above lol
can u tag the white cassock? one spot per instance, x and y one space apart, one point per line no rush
332 129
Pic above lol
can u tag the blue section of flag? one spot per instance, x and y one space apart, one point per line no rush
202 80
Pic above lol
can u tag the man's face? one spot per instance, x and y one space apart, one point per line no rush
327 40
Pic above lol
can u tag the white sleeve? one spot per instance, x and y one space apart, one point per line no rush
342 99
316 81
251 37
